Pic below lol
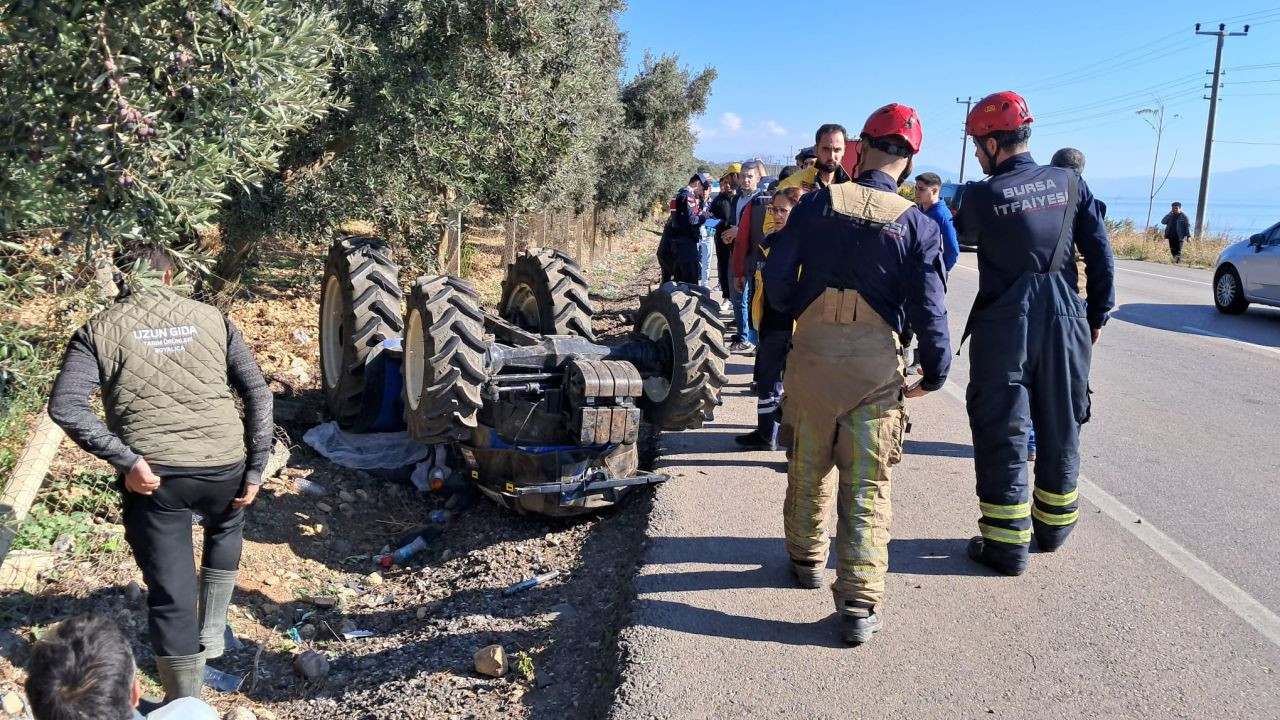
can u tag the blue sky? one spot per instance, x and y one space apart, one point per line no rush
1084 67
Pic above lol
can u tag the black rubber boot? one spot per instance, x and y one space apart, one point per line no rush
859 623
810 575
1003 562
753 441
181 676
216 588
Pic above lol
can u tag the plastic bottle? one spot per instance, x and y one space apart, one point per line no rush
399 556
440 517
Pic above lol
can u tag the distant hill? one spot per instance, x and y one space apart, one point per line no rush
1247 184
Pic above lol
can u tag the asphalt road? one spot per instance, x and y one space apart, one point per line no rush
1164 604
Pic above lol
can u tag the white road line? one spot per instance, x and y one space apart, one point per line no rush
1165 277
1193 568
1246 343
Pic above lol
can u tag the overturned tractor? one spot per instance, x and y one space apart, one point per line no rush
541 417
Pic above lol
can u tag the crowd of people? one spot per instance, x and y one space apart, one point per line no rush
832 277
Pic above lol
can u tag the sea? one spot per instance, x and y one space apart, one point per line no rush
1235 219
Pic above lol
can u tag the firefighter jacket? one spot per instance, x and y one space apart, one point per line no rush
1016 216
863 236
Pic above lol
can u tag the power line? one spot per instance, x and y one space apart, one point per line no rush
1116 110
1147 58
1244 142
1054 78
1242 68
1168 86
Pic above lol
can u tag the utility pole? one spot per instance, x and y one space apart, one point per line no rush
1201 204
964 136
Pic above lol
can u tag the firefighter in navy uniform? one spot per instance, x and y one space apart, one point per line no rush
853 261
1032 336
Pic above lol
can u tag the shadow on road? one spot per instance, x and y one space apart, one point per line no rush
705 621
937 449
762 564
1260 325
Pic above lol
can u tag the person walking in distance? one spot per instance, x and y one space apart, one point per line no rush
1177 228
854 259
167 367
1032 336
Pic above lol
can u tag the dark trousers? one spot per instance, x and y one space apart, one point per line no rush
688 262
158 528
1029 356
1175 247
724 258
771 359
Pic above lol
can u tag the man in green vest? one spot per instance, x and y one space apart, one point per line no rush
167 366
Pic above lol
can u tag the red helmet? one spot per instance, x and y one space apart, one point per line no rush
1002 111
895 120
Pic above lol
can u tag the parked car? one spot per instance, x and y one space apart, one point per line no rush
951 194
1249 272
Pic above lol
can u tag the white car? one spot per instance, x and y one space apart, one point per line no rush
1249 272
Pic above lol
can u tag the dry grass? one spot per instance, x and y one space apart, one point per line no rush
1152 247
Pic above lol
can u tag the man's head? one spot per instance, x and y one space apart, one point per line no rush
891 137
752 171
83 669
144 257
1001 126
1070 158
828 146
928 185
731 177
700 183
806 158
1176 207
787 172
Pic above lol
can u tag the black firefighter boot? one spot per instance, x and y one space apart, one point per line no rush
1002 561
859 622
764 437
810 575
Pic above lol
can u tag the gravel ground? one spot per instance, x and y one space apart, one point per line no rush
308 574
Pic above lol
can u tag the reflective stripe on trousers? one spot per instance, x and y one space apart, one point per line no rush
844 400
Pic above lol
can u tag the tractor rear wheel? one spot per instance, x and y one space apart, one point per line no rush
684 322
545 292
444 366
359 310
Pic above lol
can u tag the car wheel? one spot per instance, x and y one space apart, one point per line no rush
1228 292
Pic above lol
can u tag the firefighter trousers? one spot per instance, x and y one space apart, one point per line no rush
1029 358
844 400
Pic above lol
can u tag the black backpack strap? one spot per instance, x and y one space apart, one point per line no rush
1068 223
